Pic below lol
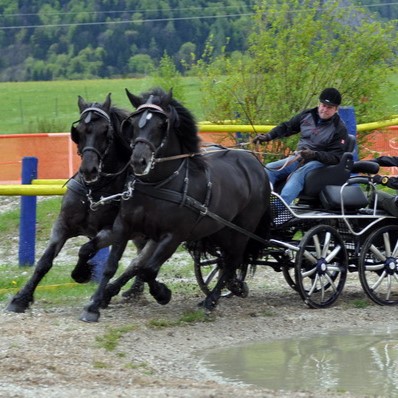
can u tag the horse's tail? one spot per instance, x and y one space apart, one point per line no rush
254 247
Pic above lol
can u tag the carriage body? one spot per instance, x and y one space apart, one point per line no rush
316 244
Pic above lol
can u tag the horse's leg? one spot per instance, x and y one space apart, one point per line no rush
91 312
137 288
83 270
233 257
147 265
146 255
21 301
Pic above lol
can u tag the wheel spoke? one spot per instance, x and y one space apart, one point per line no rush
310 257
209 278
326 244
330 280
379 281
387 244
389 282
307 273
377 253
314 282
374 267
317 246
395 251
333 253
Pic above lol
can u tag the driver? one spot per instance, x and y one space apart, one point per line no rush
323 139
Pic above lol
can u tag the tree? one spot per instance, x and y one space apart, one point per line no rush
168 77
297 48
140 64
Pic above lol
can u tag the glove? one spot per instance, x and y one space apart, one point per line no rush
260 138
307 154
378 179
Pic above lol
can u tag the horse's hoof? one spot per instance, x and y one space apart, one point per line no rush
238 288
16 307
165 297
245 290
82 276
208 304
161 293
89 317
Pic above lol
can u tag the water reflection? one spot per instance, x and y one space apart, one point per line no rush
364 362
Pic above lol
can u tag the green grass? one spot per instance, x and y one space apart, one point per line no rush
186 318
58 286
110 340
30 107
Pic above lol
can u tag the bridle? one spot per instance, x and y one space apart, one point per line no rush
145 110
86 117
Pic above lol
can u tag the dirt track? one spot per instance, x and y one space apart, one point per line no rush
48 352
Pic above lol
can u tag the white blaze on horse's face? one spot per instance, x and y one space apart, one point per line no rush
147 130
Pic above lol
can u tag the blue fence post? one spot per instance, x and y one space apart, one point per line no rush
27 223
347 113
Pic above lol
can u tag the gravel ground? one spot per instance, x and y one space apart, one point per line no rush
48 352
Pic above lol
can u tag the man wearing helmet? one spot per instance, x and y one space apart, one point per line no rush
323 139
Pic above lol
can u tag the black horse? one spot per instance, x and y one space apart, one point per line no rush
105 158
178 194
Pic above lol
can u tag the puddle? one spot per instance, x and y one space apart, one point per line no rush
361 362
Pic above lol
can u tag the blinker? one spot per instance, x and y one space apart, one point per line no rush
87 119
143 119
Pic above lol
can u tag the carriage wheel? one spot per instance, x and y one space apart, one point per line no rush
288 270
321 266
208 270
288 274
378 266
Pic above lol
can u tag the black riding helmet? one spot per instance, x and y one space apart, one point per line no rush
330 96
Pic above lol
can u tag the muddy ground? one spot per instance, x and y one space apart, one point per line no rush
49 352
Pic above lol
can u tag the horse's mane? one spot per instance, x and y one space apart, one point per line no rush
118 115
181 120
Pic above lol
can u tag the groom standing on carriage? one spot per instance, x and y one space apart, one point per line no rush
323 140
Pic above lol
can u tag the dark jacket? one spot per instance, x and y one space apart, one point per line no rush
389 161
328 138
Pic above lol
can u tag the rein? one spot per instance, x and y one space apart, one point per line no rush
287 163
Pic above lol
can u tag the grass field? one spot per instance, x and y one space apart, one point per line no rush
33 107
30 107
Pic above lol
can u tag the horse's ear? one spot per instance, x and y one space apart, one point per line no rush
107 104
169 96
134 100
81 103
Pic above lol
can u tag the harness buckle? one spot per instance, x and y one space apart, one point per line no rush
204 210
126 195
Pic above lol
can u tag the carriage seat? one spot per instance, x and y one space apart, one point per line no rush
337 174
352 196
332 197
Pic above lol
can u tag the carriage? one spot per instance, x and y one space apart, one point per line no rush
166 191
334 228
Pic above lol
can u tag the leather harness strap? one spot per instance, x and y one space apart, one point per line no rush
191 203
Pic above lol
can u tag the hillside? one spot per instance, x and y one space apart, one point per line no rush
75 39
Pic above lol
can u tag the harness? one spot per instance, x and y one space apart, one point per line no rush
157 190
